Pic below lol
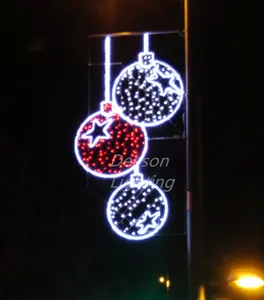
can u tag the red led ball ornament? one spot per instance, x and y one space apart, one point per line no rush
107 146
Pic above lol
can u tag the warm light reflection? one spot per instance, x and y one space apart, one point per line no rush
202 294
167 284
161 279
249 282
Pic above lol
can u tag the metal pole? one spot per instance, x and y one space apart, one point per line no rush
135 33
89 91
188 150
167 294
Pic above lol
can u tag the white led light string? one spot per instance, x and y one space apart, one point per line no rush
146 52
107 51
118 200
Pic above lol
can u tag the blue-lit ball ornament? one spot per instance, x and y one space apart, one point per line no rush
149 91
138 209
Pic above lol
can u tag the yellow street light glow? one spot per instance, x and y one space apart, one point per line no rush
202 294
249 282
167 284
161 279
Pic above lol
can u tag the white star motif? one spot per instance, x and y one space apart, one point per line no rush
140 224
153 79
94 140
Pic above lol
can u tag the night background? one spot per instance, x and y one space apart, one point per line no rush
55 242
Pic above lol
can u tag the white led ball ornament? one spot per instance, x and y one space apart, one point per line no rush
106 145
148 91
138 209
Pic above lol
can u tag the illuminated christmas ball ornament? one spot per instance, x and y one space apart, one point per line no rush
107 146
138 209
148 91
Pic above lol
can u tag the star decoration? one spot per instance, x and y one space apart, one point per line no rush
143 223
169 85
93 134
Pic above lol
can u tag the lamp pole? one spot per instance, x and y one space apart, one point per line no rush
188 150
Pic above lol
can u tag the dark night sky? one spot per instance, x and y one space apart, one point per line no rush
55 243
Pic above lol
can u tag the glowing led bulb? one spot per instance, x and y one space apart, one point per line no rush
249 282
